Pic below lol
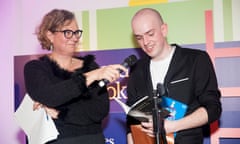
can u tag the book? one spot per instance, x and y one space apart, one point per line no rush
37 124
137 110
142 109
170 109
140 137
177 109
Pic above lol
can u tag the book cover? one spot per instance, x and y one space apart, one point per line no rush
176 108
140 137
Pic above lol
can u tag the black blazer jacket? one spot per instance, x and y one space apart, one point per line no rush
190 79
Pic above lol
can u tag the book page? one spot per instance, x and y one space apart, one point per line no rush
139 115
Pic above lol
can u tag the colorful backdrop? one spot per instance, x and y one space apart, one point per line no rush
211 25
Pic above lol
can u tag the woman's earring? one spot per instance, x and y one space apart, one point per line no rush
51 47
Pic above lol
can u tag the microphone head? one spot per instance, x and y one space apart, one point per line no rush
160 89
129 61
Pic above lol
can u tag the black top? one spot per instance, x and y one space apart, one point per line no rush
190 79
81 108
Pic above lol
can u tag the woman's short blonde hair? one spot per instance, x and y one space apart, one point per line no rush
52 21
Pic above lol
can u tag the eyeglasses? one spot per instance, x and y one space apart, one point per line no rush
69 33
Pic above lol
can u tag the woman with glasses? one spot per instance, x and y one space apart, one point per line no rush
66 86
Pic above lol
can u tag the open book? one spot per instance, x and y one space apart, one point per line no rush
142 109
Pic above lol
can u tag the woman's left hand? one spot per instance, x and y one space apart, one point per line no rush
51 111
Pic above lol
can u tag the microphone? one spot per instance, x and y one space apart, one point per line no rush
160 90
128 62
158 115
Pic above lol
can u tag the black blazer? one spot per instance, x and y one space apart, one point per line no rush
190 79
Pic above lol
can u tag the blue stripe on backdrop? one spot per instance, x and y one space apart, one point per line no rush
229 141
227 44
227 71
231 112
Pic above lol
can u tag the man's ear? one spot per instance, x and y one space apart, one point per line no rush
164 29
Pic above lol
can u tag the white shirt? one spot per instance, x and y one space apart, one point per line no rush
158 69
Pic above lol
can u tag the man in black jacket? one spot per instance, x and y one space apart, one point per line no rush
187 75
